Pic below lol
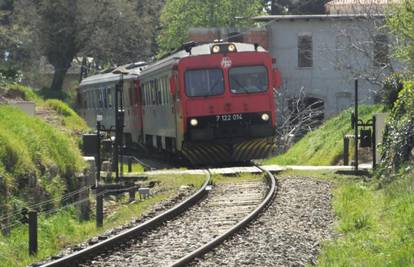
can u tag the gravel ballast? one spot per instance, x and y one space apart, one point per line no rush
288 233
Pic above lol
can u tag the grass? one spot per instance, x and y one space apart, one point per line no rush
375 221
38 157
31 147
16 89
136 168
63 228
324 146
70 119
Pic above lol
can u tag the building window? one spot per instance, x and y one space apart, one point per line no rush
305 59
381 50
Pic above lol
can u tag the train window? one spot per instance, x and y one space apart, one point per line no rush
105 99
109 97
144 92
166 90
100 98
207 82
95 98
147 98
131 94
161 83
248 79
159 97
89 99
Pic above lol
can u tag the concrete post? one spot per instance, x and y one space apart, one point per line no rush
99 207
32 232
83 197
346 151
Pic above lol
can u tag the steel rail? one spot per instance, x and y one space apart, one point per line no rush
220 239
73 259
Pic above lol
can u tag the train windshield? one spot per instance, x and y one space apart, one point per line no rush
248 79
208 82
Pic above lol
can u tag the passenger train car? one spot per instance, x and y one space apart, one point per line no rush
96 95
211 102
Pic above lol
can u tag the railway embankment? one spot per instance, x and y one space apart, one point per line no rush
324 146
40 162
375 216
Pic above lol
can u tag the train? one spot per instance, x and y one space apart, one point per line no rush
209 102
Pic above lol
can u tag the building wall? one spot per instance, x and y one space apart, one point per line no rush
336 61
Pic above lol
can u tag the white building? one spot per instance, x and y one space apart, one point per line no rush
322 55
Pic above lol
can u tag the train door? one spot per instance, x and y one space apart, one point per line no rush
177 108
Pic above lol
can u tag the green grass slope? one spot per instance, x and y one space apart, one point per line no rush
32 149
324 146
70 119
39 156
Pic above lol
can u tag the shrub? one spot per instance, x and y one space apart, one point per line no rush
393 84
398 144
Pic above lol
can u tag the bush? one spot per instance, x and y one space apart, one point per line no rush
398 144
393 84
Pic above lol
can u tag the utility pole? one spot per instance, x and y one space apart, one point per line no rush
356 125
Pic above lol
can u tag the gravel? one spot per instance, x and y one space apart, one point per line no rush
289 232
183 193
225 205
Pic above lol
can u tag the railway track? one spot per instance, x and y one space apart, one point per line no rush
172 240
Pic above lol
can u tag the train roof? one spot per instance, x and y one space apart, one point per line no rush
134 69
198 50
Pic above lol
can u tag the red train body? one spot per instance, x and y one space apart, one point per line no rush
211 102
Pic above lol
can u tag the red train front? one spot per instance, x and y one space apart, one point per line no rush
225 102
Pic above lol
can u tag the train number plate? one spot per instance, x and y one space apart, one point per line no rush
229 117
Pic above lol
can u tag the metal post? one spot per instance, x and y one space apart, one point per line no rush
32 232
374 142
121 130
116 149
98 152
99 207
346 151
356 126
6 219
132 193
129 165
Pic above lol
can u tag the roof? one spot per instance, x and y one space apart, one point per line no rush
134 70
358 6
361 2
317 17
198 50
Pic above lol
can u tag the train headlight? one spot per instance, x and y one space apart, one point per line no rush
194 122
232 48
216 49
265 117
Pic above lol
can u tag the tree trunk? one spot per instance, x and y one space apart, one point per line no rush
58 78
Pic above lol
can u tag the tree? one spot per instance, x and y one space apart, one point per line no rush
178 16
109 31
400 20
12 49
295 7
